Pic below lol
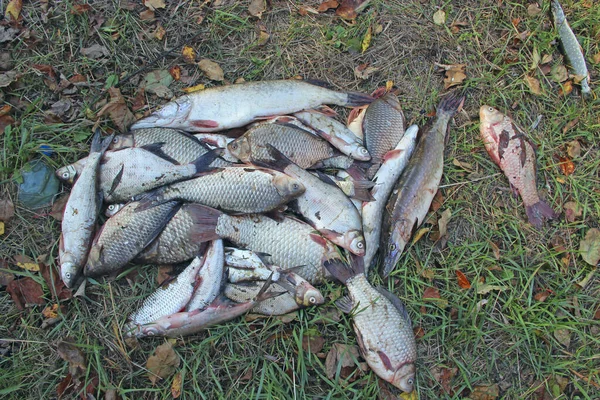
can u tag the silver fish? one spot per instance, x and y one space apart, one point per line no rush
79 217
210 277
393 165
243 259
231 106
217 141
382 325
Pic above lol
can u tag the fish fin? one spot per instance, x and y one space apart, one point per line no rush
156 149
320 240
450 104
538 210
279 163
343 272
362 194
354 113
203 162
116 181
386 360
204 220
326 110
396 302
263 294
392 100
97 142
325 178
379 92
344 304
192 138
204 123
329 234
319 83
154 234
356 99
276 215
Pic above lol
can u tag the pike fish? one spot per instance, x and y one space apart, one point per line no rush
324 206
79 217
125 235
335 133
382 325
236 189
383 126
414 191
190 322
393 164
231 106
511 150
302 147
572 48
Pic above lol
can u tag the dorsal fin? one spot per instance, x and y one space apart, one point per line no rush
156 149
396 302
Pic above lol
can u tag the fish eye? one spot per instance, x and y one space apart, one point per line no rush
65 175
360 245
115 140
363 150
490 109
392 247
234 146
68 275
111 207
312 300
295 186
410 381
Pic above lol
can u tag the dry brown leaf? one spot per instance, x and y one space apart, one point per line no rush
257 8
5 120
444 376
573 149
74 356
443 226
364 71
438 200
596 58
533 84
154 4
455 74
463 281
79 9
485 392
147 15
95 51
58 207
193 88
65 386
7 210
175 72
566 165
263 35
572 211
431 293
52 278
589 247
542 295
349 9
25 291
559 73
5 109
495 249
117 110
439 17
8 77
565 89
211 69
162 363
5 277
340 354
456 25
313 344
176 385
13 10
164 273
327 5
570 125
597 314
246 376
420 234
533 10
189 54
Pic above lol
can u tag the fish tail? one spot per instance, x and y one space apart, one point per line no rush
263 294
204 220
203 162
450 104
279 163
362 190
536 212
99 145
356 99
343 272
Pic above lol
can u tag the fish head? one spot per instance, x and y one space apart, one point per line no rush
359 152
121 141
67 173
69 272
392 255
288 187
112 209
491 123
489 115
307 295
93 266
355 242
240 148
172 115
404 377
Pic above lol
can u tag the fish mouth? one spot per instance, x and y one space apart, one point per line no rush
390 262
172 115
68 273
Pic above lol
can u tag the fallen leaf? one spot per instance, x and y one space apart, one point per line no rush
263 35
157 82
5 121
340 354
542 295
13 10
189 54
95 51
5 277
257 8
1 228
7 78
486 288
597 314
572 211
159 33
364 71
26 263
596 58
117 110
563 335
25 291
420 234
154 4
349 9
455 74
312 343
589 247
573 149
164 273
485 392
5 109
559 73
570 125
463 281
533 10
7 210
431 293
495 249
366 42
246 376
50 311
533 84
442 233
456 25
58 207
546 58
438 200
408 396
565 89
326 5
147 15
65 386
162 363
444 376
79 9
74 356
176 385
462 164
193 88
566 165
439 17
211 69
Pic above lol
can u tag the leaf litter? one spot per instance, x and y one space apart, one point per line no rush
162 363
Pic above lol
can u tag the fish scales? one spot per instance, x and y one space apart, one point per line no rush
210 277
280 305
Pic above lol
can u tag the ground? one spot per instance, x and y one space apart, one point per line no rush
533 332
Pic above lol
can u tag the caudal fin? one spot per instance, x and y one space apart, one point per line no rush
538 211
450 104
203 162
263 295
204 220
356 99
343 272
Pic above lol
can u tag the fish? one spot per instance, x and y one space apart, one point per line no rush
383 126
392 167
243 259
218 141
232 106
355 122
124 235
300 146
79 216
181 147
354 184
336 162
323 205
572 48
112 209
382 325
414 191
511 150
190 322
210 276
235 189
335 133
247 266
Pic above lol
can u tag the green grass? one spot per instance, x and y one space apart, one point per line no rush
504 337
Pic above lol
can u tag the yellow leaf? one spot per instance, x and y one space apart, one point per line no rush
1 228
389 85
533 84
13 9
189 54
160 32
154 4
366 42
176 385
439 18
410 396
29 266
50 311
193 88
420 234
